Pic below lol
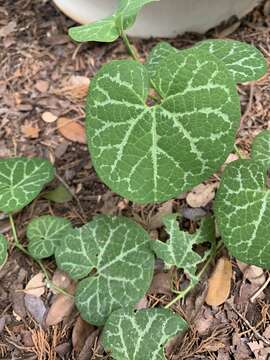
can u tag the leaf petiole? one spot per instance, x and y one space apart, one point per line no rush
131 49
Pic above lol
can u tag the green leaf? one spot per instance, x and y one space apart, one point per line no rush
58 195
3 250
110 28
113 256
150 154
242 209
178 250
244 62
159 53
45 233
21 180
130 335
261 148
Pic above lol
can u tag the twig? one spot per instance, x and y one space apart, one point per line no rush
252 328
260 290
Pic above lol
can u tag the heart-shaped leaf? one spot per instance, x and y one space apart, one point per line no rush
21 180
59 195
130 335
150 154
244 62
45 233
3 250
113 256
261 148
242 209
178 250
110 28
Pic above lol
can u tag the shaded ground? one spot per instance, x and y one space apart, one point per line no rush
37 62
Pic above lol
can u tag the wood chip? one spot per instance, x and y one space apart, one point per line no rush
219 284
71 130
48 117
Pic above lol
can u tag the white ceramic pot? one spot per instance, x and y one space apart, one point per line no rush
166 18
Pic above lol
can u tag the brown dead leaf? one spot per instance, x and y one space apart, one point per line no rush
60 280
80 333
42 86
35 286
157 220
8 29
76 87
255 275
161 283
201 195
71 130
30 131
219 284
61 308
48 117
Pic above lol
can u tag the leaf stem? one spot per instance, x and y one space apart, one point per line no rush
42 267
131 49
182 294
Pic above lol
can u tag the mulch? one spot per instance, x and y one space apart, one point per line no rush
36 59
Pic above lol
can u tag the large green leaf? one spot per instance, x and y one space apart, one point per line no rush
110 28
178 250
261 148
242 209
150 154
141 335
3 250
45 233
21 180
244 62
113 256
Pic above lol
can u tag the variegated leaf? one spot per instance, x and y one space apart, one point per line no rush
3 250
261 148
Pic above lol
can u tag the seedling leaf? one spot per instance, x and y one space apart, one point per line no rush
261 148
113 256
178 250
242 209
110 28
150 154
58 195
21 180
141 335
3 250
45 233
244 62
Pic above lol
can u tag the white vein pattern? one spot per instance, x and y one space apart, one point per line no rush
113 258
141 335
261 149
3 250
242 209
21 180
150 154
178 250
45 233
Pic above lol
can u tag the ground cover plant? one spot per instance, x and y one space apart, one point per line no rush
154 131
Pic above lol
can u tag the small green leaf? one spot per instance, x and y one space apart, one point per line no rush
21 180
130 335
3 250
45 233
178 250
261 148
110 28
113 256
58 195
242 210
151 154
244 62
158 54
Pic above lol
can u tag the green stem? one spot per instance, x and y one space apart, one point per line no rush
238 152
130 47
20 247
182 294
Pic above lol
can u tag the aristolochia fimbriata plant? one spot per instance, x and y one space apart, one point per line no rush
154 130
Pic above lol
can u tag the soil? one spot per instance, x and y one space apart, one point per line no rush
37 61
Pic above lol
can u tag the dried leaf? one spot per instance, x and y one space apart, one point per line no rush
157 220
48 117
61 280
219 284
61 308
36 286
30 131
42 86
201 195
80 333
255 275
161 283
71 130
36 307
8 29
76 87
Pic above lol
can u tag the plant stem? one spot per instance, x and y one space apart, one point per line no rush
182 294
42 267
238 152
130 47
